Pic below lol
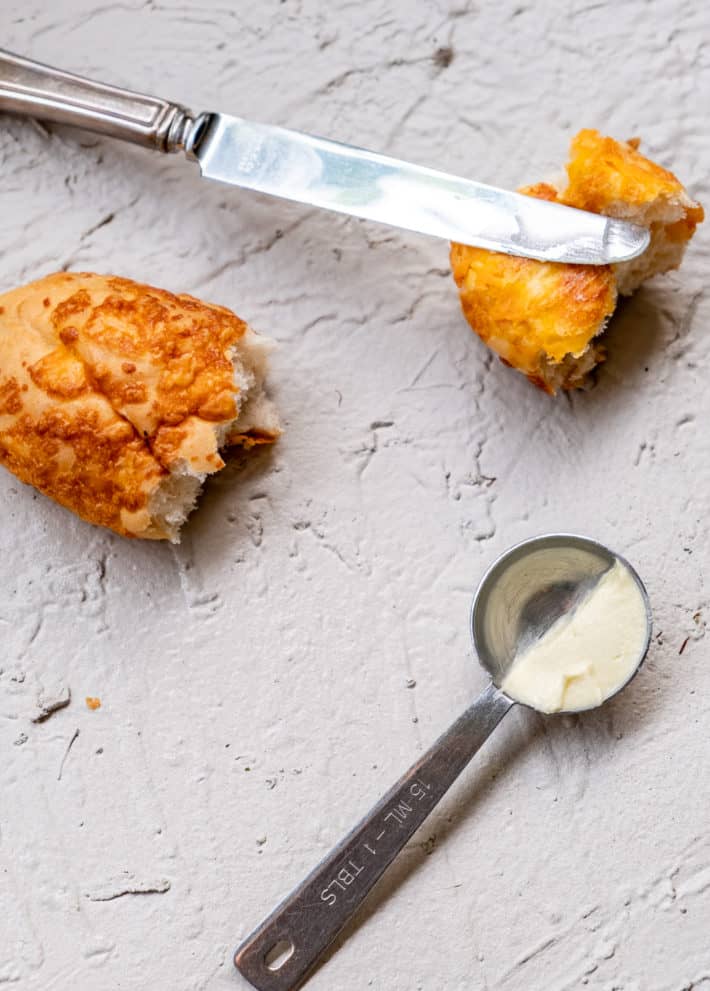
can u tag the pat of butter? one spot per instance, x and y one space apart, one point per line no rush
588 654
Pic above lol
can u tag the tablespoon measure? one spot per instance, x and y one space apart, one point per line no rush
519 598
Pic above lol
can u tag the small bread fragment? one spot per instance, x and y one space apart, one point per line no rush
545 318
116 398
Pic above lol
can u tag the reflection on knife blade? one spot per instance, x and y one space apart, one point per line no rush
361 183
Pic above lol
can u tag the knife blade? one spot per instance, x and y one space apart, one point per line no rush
351 180
322 173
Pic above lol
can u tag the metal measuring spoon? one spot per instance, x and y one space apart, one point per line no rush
520 597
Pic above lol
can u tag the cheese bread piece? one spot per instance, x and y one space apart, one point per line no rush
116 398
545 318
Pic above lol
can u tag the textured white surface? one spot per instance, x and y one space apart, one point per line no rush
254 681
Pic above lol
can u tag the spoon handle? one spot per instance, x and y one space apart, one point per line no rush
280 952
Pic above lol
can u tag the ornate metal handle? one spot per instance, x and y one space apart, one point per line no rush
279 954
49 94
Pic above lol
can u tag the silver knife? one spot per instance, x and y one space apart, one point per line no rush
323 173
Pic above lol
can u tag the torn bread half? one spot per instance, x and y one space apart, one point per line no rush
545 318
116 398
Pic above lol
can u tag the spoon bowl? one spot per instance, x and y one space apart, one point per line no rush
533 585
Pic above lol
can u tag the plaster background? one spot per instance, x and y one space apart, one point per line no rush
254 679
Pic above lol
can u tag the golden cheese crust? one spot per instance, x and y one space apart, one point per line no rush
532 313
107 384
542 317
614 178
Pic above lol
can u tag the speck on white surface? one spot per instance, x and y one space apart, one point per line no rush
254 680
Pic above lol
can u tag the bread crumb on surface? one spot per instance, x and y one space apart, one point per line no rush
545 318
92 702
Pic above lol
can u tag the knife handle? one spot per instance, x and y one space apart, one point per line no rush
59 97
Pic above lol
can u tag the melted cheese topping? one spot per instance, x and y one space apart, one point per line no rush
108 385
587 655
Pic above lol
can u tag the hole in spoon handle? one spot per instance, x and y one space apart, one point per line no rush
280 953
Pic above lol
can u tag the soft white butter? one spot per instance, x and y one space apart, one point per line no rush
588 654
